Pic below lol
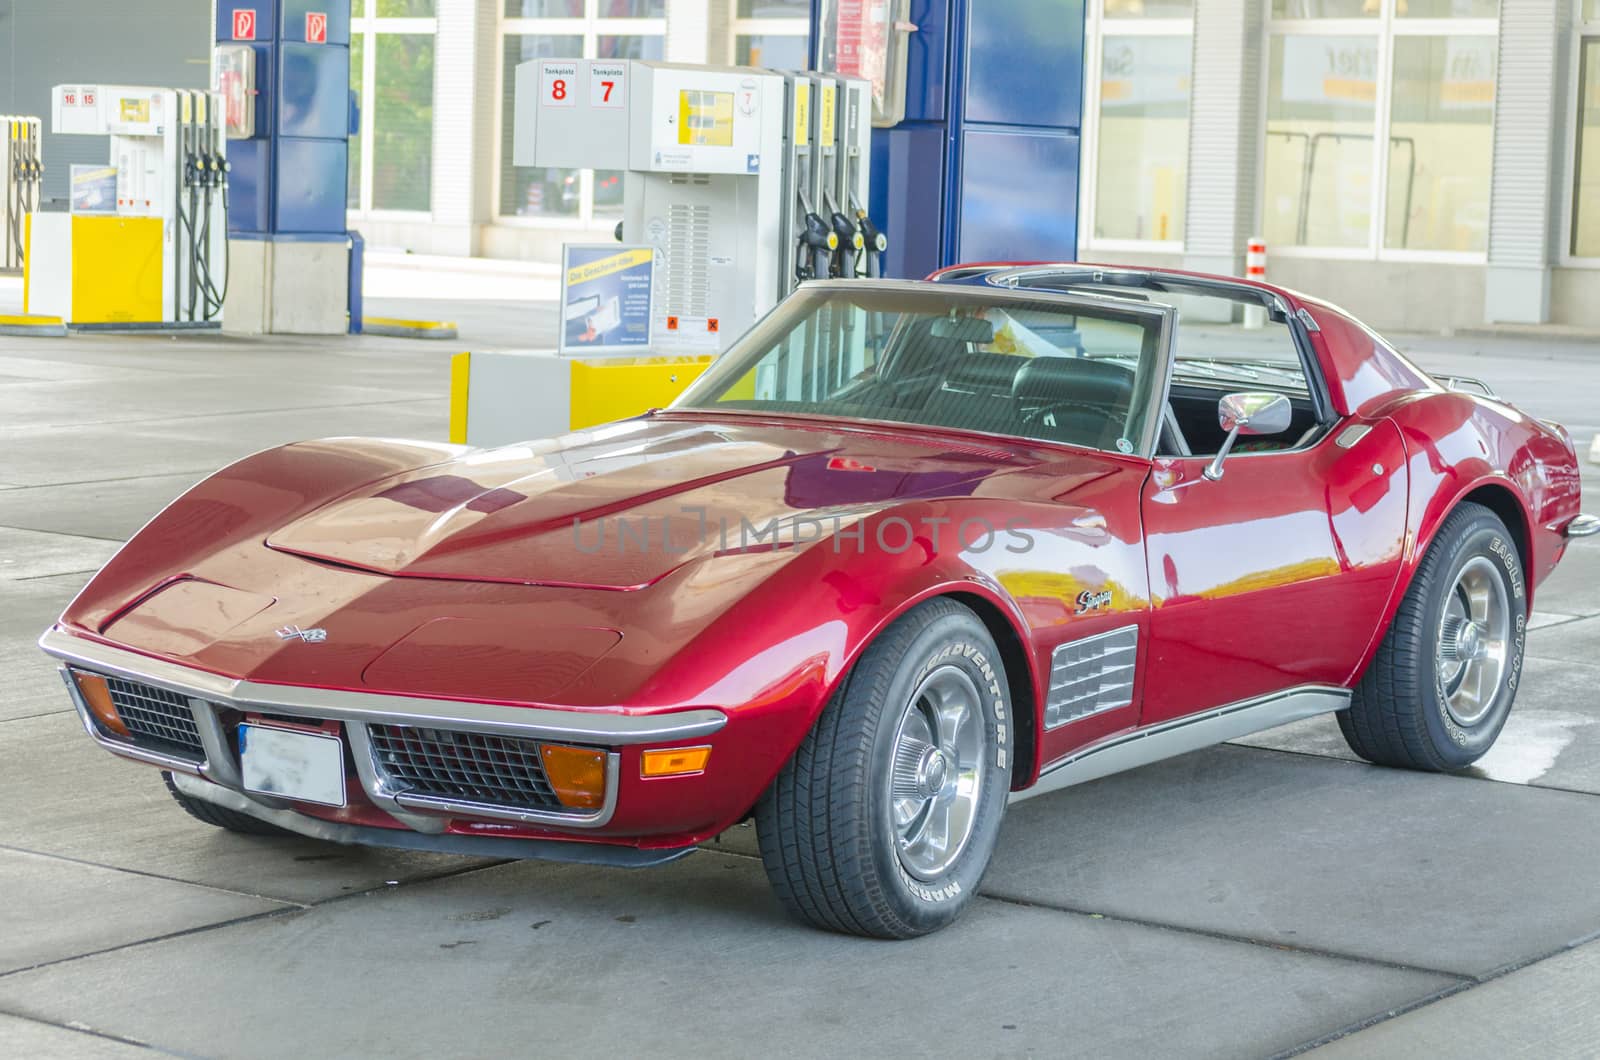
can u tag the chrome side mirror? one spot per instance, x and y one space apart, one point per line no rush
1249 413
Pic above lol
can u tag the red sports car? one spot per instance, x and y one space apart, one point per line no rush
907 552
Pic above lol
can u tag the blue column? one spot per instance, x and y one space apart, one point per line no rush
985 165
289 180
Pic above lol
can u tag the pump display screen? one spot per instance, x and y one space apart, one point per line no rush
705 119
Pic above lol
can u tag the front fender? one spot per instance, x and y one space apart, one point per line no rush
775 655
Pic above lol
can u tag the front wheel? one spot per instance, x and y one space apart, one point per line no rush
221 816
884 821
1438 692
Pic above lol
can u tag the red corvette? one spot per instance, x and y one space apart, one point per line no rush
908 551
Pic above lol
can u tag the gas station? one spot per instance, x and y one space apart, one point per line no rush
606 257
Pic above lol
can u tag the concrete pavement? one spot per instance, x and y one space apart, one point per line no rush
1242 901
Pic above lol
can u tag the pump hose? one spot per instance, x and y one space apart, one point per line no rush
215 299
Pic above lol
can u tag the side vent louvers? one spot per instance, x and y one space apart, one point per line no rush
1091 675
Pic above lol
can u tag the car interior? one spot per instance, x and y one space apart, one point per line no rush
1081 400
1211 361
1044 370
942 374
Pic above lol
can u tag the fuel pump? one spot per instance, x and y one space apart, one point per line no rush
804 230
204 170
850 162
733 183
168 150
21 172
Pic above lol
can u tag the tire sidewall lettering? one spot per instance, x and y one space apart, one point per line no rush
1508 558
1511 566
975 660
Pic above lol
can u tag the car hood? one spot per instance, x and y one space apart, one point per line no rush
622 506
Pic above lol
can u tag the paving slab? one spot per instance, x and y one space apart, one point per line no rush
104 452
1571 588
151 397
1577 641
231 437
31 684
57 909
695 958
30 1038
61 794
1551 739
1425 870
111 510
1547 1011
35 554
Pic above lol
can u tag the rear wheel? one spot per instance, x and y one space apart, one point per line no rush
1441 686
884 821
220 816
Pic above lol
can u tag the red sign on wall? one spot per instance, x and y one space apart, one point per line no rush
244 24
316 27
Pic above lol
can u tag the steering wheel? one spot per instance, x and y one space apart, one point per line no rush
1038 414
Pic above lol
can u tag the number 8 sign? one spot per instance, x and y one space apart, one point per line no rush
558 84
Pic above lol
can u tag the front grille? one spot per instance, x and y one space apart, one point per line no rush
157 719
467 766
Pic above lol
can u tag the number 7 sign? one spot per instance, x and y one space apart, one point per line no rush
608 85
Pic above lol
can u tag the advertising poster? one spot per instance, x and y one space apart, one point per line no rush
94 189
607 295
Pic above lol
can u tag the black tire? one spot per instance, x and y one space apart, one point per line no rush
1402 713
221 816
827 826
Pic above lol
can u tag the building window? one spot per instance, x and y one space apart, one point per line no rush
1441 136
567 29
391 72
1344 76
1321 110
1137 145
1586 148
775 34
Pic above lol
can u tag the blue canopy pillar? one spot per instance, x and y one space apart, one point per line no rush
287 234
985 165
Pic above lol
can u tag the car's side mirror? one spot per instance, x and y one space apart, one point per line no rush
1249 413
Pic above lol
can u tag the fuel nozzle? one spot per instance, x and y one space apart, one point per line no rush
817 244
850 245
876 242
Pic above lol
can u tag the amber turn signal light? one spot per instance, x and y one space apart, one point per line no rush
576 774
674 761
97 694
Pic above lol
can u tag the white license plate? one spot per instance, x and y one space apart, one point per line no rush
292 765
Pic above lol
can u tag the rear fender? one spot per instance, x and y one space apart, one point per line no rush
1462 447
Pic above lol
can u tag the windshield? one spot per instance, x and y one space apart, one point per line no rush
1057 370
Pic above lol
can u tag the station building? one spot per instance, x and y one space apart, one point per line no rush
1429 164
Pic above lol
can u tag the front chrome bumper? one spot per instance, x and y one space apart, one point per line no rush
612 855
207 693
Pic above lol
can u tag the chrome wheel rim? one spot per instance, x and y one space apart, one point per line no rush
937 772
1474 641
